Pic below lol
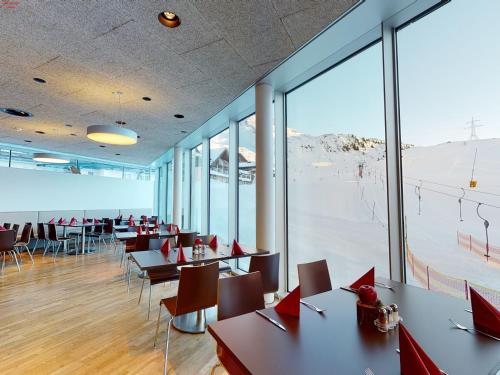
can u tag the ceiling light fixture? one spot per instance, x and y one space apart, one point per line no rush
178 115
169 19
112 134
146 98
39 80
102 146
16 112
39 132
68 125
46 157
117 154
27 141
73 134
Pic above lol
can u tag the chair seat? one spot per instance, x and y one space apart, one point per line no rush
228 362
64 238
170 303
21 243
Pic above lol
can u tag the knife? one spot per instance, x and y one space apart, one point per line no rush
277 324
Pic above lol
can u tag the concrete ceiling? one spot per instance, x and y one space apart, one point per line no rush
88 49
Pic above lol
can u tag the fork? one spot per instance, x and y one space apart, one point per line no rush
382 285
442 371
471 330
313 307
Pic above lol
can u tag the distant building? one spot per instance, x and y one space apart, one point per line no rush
219 168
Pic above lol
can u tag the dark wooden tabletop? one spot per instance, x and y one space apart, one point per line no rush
122 236
333 342
154 259
79 224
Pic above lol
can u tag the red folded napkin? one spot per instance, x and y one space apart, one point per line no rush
52 221
85 221
162 222
290 305
181 258
147 228
73 221
131 217
198 241
165 248
130 223
236 249
367 279
2 229
60 221
169 228
177 230
157 226
412 358
139 229
213 243
486 317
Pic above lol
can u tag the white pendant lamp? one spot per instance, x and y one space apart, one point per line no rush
46 157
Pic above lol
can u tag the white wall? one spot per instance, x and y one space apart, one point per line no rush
33 190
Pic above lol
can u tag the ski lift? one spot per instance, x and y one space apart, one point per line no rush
486 225
460 203
417 192
472 182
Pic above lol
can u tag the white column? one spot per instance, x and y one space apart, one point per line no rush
233 182
205 158
177 209
264 150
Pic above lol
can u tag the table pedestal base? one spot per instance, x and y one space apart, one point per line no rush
195 322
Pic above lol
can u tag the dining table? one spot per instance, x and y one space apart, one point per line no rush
123 236
124 227
332 342
83 227
195 322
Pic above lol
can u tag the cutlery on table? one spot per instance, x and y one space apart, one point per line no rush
382 285
442 371
312 307
348 289
471 330
276 323
468 310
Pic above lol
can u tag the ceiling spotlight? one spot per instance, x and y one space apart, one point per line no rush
117 154
16 112
39 80
27 141
39 132
169 19
183 131
146 98
46 157
68 125
73 134
102 146
19 129
178 115
118 122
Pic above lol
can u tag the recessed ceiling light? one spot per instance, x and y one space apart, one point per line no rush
138 136
146 98
27 141
19 129
68 125
39 80
102 146
178 115
40 132
118 122
73 134
169 19
46 157
183 131
117 154
15 112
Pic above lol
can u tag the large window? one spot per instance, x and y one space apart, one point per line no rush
219 186
246 185
336 170
196 175
170 192
449 84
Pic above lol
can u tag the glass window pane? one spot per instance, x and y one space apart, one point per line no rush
246 186
4 157
170 192
219 186
449 80
337 207
196 174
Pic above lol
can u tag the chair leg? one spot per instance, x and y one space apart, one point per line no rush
149 307
165 367
28 250
129 272
34 247
140 295
3 265
217 365
15 258
157 326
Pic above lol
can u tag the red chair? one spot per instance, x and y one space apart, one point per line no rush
7 241
314 278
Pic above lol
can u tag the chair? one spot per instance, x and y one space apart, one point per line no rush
158 276
24 241
54 238
314 278
7 241
237 295
157 243
186 239
40 236
6 225
197 291
15 228
142 241
269 268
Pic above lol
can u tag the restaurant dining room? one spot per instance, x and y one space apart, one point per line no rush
250 187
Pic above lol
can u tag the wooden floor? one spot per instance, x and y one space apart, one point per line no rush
74 316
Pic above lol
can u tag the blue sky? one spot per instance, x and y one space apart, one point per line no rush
449 71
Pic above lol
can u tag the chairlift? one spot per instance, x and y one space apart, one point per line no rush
418 193
460 203
486 225
472 182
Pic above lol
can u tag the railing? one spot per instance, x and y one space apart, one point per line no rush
438 281
489 253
